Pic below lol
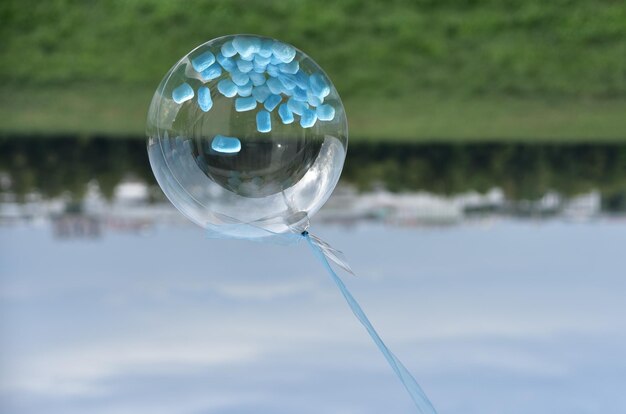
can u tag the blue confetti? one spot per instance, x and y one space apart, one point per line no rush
243 45
263 121
204 98
285 114
301 79
248 58
276 86
245 104
226 145
325 112
272 70
212 72
261 61
266 48
300 94
227 88
308 118
245 66
272 102
228 50
182 93
291 67
295 106
245 90
257 79
283 51
261 93
227 63
259 68
203 61
287 82
239 77
318 85
313 100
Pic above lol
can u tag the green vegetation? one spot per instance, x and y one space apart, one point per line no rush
522 171
65 165
412 70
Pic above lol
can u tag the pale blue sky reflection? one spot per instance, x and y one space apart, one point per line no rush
499 317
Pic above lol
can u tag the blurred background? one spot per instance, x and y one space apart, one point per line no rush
482 204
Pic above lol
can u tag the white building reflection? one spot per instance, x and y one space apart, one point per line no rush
136 207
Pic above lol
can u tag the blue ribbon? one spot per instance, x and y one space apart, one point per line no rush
326 254
422 403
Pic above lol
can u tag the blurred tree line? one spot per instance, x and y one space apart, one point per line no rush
54 166
522 171
65 165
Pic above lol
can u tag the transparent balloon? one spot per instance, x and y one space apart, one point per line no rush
247 136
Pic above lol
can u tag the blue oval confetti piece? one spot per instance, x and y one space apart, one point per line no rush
182 93
203 61
204 99
263 121
226 145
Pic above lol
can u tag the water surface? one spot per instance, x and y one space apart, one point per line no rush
500 298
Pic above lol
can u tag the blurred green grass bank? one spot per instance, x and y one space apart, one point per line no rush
451 70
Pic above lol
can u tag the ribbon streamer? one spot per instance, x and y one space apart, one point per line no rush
324 252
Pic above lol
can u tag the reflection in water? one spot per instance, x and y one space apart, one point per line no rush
89 186
53 166
508 318
132 210
499 317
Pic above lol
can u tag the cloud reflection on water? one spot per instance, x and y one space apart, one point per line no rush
514 317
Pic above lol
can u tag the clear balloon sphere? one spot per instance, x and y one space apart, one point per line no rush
247 136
